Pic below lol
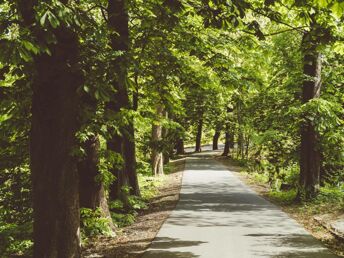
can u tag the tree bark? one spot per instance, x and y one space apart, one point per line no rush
227 144
54 171
90 187
157 155
199 136
55 102
180 146
125 143
129 151
229 135
168 145
216 140
310 154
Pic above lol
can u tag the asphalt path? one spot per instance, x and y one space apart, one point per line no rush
218 216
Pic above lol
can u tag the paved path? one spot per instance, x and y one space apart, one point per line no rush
219 217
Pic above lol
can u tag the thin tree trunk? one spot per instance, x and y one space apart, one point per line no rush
121 178
118 25
247 146
129 151
168 150
227 144
310 154
231 139
157 155
53 126
228 135
216 140
89 186
199 136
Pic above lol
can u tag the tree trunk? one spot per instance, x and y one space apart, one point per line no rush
90 187
52 138
310 154
216 140
227 145
231 139
125 144
240 144
199 136
157 155
129 151
247 146
228 136
115 144
54 170
180 146
168 146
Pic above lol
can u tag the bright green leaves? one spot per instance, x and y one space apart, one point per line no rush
53 20
222 14
338 9
56 13
323 114
338 47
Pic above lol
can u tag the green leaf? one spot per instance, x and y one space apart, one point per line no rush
54 22
43 18
338 9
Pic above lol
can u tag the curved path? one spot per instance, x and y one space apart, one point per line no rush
218 216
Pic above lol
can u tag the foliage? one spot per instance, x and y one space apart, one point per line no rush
93 223
15 239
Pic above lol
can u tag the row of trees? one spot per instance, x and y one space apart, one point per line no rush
94 92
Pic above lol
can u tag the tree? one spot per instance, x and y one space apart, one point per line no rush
53 127
124 142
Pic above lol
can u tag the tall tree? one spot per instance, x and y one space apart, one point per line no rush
310 153
124 142
157 155
54 124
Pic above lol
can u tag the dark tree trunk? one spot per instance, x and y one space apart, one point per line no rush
199 136
216 140
229 135
90 187
129 153
240 144
180 146
125 144
227 145
53 126
310 154
231 139
168 146
121 178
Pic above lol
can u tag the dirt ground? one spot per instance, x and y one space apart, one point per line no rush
131 241
295 211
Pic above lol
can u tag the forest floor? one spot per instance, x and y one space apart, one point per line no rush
131 241
311 216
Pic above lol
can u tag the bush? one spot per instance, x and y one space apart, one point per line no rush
93 223
15 239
